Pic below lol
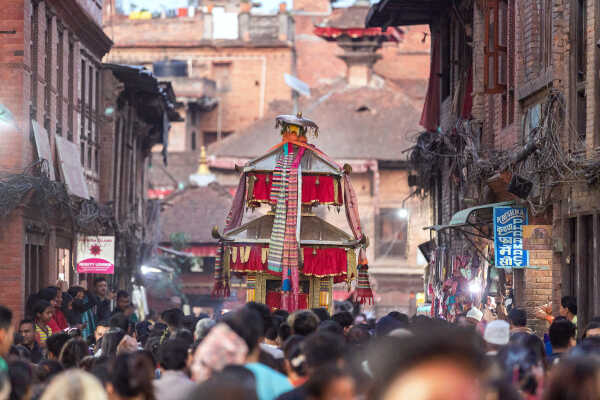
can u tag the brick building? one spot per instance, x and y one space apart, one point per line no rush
51 52
513 98
57 159
226 65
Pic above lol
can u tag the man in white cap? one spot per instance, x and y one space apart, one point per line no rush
474 316
496 335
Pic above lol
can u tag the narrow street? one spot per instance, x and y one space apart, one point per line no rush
299 199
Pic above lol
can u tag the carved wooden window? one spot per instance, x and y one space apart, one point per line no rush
495 49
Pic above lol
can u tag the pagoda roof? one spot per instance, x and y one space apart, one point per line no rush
351 22
313 231
313 161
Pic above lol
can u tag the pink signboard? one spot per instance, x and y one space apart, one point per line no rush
96 255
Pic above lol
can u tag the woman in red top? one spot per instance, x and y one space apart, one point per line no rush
50 294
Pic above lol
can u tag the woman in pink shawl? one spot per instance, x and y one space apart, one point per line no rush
221 347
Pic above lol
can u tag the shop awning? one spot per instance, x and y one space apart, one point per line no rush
403 12
469 218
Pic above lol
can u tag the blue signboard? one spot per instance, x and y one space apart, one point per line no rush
508 237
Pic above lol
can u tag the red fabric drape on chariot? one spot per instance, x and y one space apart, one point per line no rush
273 300
329 261
314 188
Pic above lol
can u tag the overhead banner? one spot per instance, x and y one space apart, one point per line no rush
508 237
96 255
537 240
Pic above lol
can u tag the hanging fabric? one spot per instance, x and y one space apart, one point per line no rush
236 213
364 294
327 261
278 194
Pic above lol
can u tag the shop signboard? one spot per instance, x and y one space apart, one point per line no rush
508 237
537 240
96 255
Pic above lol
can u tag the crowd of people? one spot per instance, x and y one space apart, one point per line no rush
74 345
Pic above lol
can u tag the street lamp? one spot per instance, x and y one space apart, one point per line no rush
402 213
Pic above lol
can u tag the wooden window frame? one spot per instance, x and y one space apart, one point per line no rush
498 54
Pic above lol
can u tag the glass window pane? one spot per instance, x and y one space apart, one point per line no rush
492 30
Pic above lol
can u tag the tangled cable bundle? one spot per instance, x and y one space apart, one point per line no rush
540 159
34 188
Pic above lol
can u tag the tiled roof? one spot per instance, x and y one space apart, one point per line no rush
354 123
194 211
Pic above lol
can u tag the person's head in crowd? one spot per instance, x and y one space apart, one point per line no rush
568 307
358 336
387 324
185 336
271 333
232 342
203 326
111 341
523 367
173 318
331 383
270 361
87 363
305 323
50 294
323 348
77 292
131 378
127 344
533 343
101 328
474 316
142 332
6 330
517 318
344 318
21 380
265 313
27 332
4 385
284 332
589 346
592 329
123 300
100 287
73 352
331 326
442 363
55 343
43 311
496 335
574 378
247 323
152 346
230 386
281 313
399 316
19 352
120 321
562 335
47 369
322 313
102 369
75 384
239 374
67 303
189 322
294 360
173 355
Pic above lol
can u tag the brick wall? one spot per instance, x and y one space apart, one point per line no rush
17 68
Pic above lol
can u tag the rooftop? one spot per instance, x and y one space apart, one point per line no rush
194 211
354 123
